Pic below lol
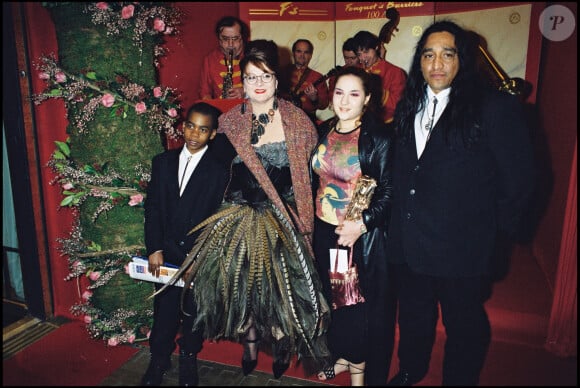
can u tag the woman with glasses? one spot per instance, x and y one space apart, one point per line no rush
220 70
255 281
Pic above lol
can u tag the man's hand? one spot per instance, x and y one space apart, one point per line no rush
155 262
311 93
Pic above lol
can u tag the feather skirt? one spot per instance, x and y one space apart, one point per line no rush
250 267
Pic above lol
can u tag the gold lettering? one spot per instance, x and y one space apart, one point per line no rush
288 6
355 8
360 8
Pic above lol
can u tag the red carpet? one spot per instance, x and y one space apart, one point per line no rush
66 356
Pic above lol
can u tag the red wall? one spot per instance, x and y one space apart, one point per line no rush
50 120
555 135
556 139
181 67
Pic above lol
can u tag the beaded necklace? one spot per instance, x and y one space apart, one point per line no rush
263 119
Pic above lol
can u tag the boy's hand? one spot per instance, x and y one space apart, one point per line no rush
155 262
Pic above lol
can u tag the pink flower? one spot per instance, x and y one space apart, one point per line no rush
140 108
108 100
87 295
136 200
94 275
102 5
131 338
67 186
76 263
44 75
158 25
114 341
88 319
157 92
127 11
60 77
172 112
168 30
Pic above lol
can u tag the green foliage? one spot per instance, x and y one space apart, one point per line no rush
104 163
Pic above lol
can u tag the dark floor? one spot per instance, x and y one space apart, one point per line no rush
210 374
12 312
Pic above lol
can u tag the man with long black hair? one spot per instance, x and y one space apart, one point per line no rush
462 173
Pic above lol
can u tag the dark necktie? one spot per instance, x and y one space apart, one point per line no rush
429 125
183 175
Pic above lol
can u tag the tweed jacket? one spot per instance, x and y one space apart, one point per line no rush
301 137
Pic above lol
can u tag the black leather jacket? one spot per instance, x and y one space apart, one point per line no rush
375 154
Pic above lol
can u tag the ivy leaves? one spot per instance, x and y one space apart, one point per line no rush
94 180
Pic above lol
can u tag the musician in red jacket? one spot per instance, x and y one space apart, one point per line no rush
392 77
220 71
305 87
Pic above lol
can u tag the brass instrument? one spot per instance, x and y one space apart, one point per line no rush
514 86
229 77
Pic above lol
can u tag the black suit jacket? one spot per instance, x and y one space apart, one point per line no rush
449 204
168 217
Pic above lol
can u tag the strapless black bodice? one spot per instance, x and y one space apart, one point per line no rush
244 188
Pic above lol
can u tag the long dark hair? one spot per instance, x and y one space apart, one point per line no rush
465 95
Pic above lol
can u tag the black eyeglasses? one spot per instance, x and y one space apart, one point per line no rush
266 78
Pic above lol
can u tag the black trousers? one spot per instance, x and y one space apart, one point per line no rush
167 319
464 318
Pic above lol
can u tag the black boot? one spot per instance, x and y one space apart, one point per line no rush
188 369
155 372
281 350
250 356
279 367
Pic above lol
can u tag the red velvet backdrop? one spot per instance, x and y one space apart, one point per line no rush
181 66
50 120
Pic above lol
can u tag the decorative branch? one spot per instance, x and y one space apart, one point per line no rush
111 251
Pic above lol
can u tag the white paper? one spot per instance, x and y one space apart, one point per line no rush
342 260
139 269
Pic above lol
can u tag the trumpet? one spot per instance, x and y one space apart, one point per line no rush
228 78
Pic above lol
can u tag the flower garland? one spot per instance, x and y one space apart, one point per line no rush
150 18
87 92
83 94
121 325
97 181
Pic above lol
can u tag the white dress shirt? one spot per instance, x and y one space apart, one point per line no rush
187 163
426 119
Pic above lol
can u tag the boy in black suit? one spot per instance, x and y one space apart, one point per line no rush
187 186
